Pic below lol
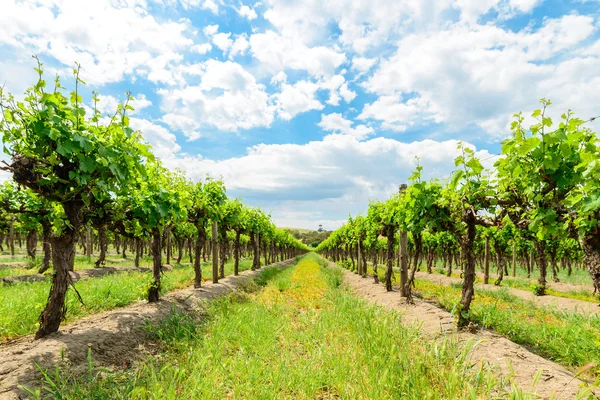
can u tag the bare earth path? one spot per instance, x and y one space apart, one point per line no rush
562 303
115 337
492 348
78 275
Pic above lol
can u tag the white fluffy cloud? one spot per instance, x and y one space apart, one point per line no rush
396 115
222 41
110 39
239 46
337 124
327 178
201 48
483 74
227 98
420 63
164 143
107 105
277 52
247 12
297 98
182 123
363 25
362 64
210 30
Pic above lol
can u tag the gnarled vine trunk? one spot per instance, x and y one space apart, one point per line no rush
198 253
591 257
389 229
46 248
154 290
214 245
254 239
468 290
63 258
31 243
236 253
500 265
540 247
411 280
103 246
224 251
375 275
180 242
138 251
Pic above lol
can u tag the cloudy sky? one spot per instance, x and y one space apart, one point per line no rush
311 108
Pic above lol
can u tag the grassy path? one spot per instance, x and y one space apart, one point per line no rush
302 336
523 368
21 303
556 289
568 337
116 338
550 301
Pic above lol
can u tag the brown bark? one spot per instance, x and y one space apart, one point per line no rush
411 280
468 289
88 241
236 253
364 262
103 245
500 265
11 236
486 261
591 257
189 249
540 247
359 259
224 251
215 253
31 243
63 257
154 290
138 251
180 243
198 250
46 248
514 260
255 247
390 257
168 243
403 254
375 275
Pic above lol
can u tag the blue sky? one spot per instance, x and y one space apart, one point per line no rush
311 109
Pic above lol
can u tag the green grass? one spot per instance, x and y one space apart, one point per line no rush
569 338
10 271
522 283
584 295
303 336
578 276
21 303
82 262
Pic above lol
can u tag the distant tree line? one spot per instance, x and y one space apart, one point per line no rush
310 238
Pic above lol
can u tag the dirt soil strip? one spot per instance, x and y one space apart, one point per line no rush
14 264
116 337
492 349
78 275
562 303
